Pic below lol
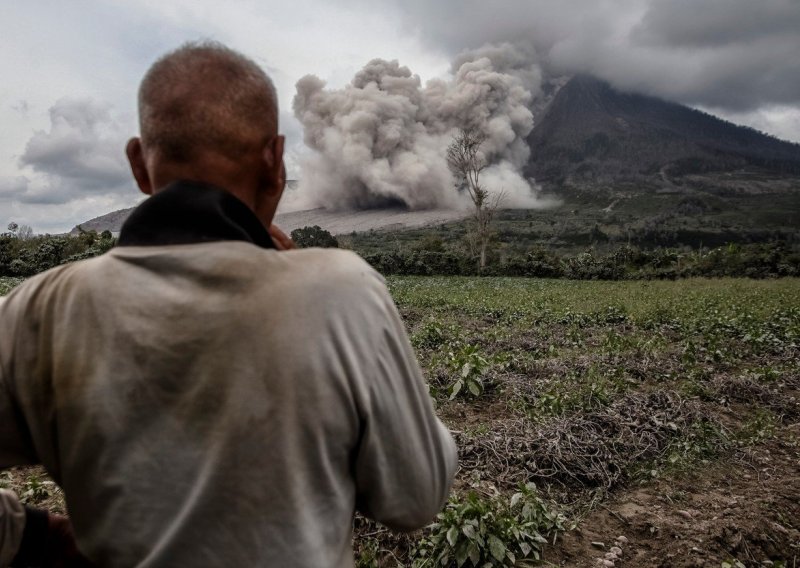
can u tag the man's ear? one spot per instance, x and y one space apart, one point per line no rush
271 181
138 167
273 163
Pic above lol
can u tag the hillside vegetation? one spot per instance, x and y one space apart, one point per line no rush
610 233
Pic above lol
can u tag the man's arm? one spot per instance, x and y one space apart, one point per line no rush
32 538
12 525
15 445
13 516
28 537
15 448
407 458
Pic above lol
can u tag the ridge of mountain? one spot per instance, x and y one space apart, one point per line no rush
592 132
109 222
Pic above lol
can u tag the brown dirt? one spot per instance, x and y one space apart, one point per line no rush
746 509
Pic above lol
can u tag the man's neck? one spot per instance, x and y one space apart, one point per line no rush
189 212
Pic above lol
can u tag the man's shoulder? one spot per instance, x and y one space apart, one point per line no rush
339 279
332 264
345 260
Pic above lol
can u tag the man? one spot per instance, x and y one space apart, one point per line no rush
205 399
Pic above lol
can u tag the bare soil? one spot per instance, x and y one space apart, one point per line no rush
745 508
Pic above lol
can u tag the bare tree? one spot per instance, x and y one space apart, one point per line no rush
22 232
466 161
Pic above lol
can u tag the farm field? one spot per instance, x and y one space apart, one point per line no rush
651 423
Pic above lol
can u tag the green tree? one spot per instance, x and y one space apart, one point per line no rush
314 236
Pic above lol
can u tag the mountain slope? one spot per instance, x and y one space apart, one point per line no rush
337 222
109 222
591 132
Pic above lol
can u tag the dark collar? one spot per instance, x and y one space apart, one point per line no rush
189 212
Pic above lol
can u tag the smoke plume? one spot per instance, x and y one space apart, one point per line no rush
382 139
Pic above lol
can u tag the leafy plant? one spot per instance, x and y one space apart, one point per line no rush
367 553
585 391
704 440
470 365
36 490
431 335
490 532
761 426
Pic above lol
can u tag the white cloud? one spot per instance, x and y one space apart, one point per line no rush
779 120
59 218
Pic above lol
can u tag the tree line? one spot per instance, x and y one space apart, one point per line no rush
765 260
26 254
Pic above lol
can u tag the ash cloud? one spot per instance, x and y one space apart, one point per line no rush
382 139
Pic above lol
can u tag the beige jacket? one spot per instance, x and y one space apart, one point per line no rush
220 404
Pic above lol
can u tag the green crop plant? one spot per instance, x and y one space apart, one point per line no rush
434 334
368 553
36 490
478 531
703 441
469 366
761 426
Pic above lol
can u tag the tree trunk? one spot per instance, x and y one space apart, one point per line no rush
483 251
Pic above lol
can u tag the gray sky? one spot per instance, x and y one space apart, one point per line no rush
70 69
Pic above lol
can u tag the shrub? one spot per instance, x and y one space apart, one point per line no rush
314 236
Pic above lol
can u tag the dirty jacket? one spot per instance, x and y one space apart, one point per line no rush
206 400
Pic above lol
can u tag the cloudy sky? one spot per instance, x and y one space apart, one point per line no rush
70 69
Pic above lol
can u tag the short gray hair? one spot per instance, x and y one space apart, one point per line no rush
205 96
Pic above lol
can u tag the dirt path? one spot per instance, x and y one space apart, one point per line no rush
745 509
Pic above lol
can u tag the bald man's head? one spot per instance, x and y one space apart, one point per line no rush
204 97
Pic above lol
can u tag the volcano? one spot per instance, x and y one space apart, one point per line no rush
592 133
